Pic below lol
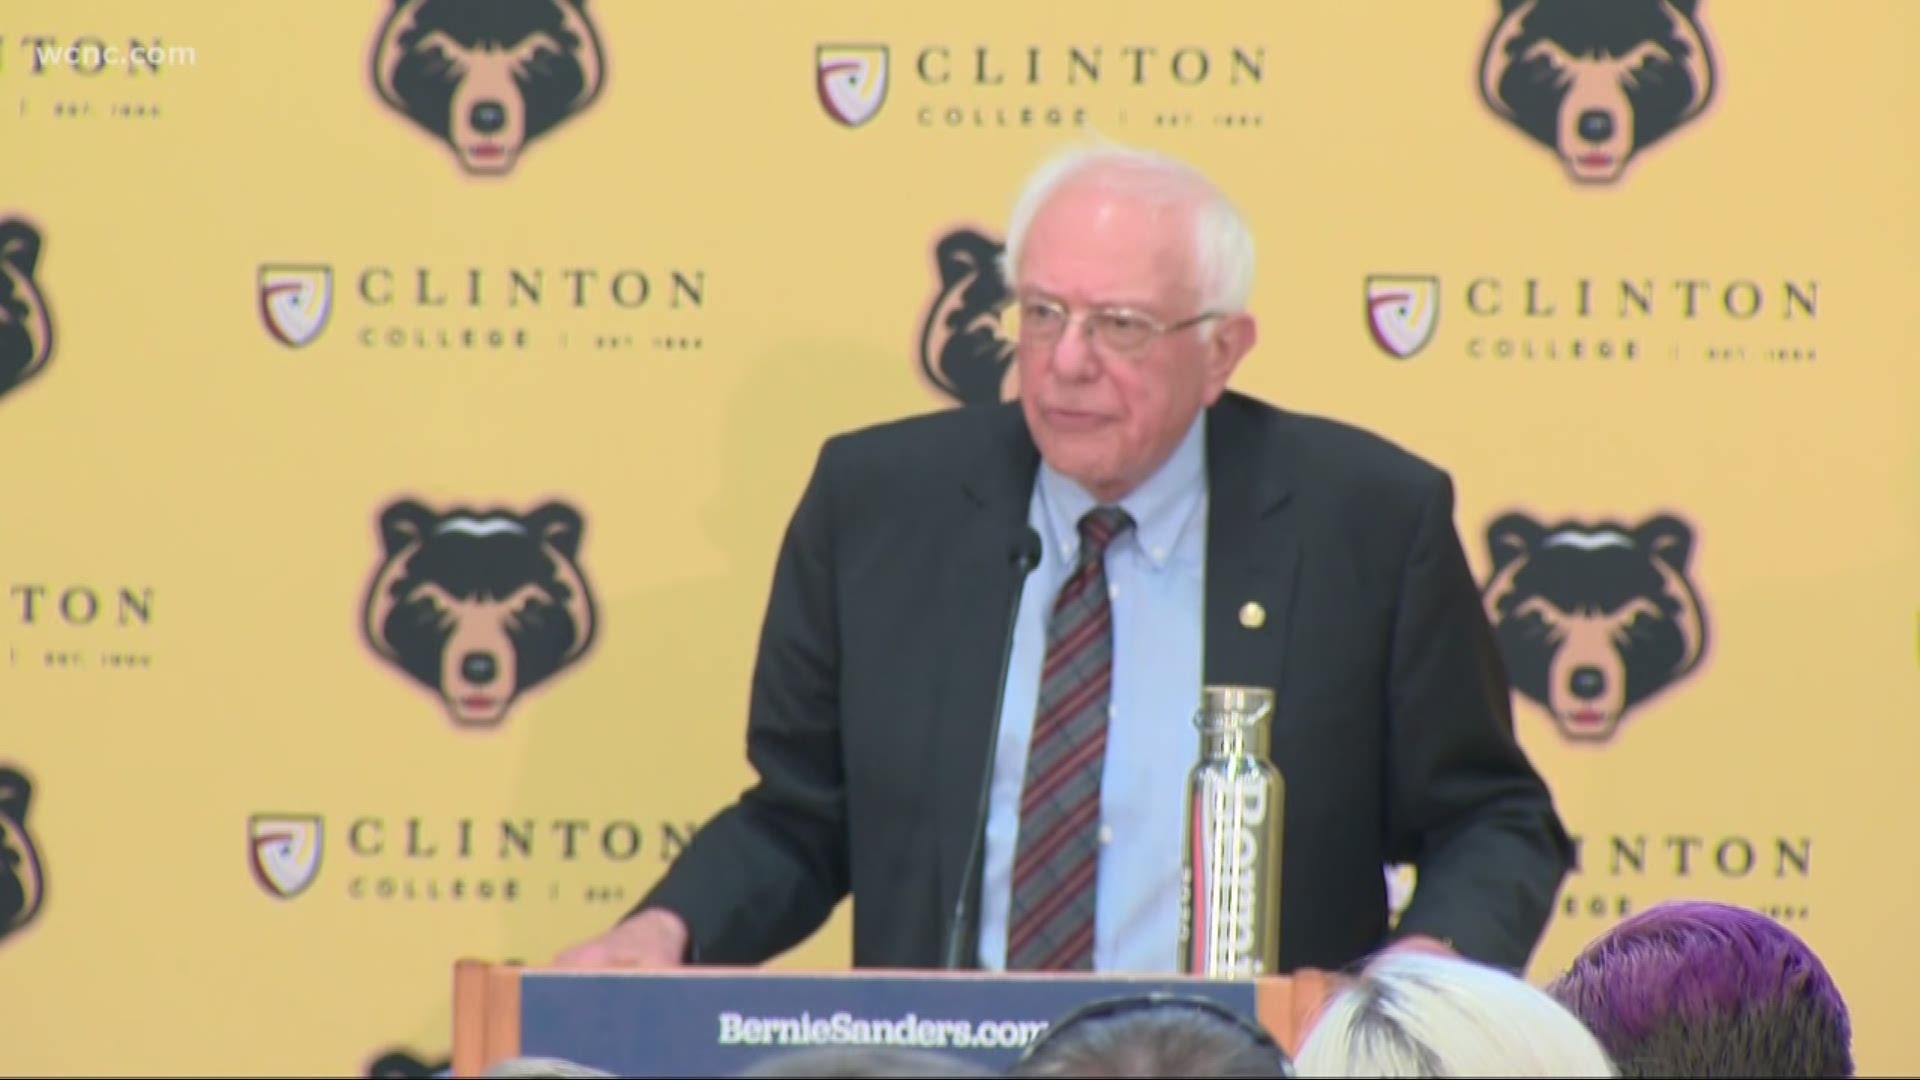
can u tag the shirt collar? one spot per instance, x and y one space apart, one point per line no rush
1160 508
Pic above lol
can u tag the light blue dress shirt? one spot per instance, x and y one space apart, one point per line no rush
1156 580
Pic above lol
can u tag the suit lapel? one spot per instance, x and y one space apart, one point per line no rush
1253 547
974 601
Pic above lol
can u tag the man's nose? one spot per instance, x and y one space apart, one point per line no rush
1073 356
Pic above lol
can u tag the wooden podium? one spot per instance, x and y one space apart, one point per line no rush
717 1021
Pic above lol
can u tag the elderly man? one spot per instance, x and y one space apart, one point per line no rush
1190 535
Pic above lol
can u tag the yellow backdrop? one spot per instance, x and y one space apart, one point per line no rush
257 304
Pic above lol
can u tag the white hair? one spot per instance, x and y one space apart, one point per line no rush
1419 1014
1223 243
529 1067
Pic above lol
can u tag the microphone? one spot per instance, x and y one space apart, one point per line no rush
1025 555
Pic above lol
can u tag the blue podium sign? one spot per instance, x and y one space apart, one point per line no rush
716 1022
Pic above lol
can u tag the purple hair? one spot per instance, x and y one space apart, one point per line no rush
1692 985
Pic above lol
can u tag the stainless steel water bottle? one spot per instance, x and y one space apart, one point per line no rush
1230 873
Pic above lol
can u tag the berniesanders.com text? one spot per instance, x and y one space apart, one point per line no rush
845 1029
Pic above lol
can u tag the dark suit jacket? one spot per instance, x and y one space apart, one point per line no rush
873 694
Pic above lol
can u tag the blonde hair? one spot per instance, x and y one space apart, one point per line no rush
1417 1014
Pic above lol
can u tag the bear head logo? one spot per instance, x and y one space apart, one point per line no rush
479 607
1597 81
1594 620
404 1064
487 79
23 885
964 348
26 329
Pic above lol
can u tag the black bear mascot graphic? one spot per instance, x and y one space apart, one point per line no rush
23 883
1597 81
26 327
487 79
964 349
479 607
404 1064
1594 620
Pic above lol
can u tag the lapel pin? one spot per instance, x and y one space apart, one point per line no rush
1252 615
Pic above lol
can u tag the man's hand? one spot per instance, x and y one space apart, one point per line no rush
655 938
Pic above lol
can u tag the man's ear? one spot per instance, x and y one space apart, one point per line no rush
1233 337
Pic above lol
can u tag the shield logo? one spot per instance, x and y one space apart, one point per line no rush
851 80
295 302
1403 310
284 851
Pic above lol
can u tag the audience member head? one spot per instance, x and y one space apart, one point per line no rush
862 1061
1130 273
1421 1014
531 1067
1695 988
1154 1035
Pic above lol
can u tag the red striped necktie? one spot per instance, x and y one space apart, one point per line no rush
1051 923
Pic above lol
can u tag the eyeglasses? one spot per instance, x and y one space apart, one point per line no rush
1154 1001
1117 329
